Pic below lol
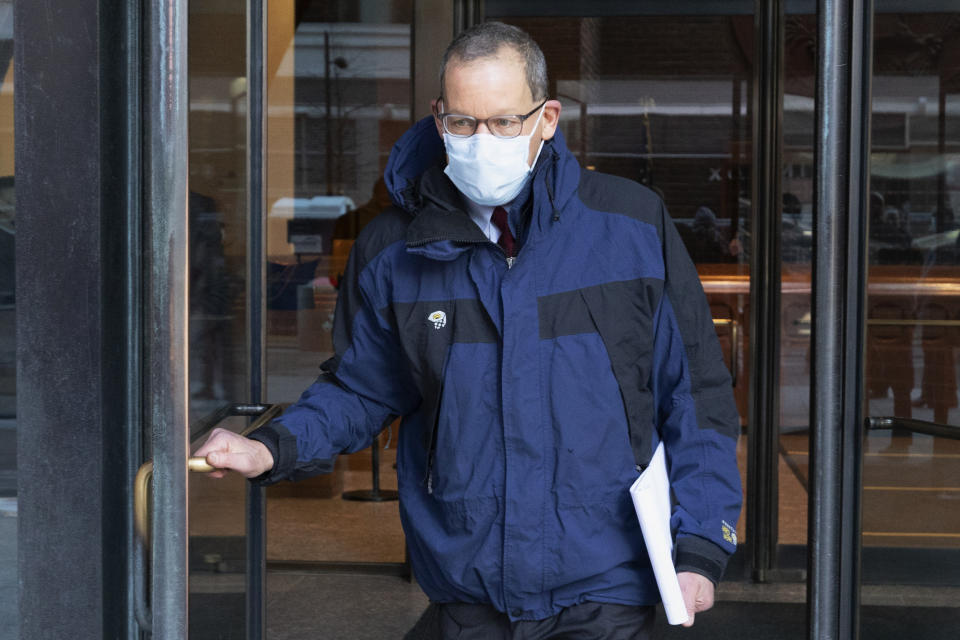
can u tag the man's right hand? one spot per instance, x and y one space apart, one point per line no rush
228 451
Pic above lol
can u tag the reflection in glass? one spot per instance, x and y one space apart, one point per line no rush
796 250
339 95
217 206
913 303
217 352
910 533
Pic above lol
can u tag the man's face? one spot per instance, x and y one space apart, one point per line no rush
496 86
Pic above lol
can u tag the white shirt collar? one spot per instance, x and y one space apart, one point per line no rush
482 215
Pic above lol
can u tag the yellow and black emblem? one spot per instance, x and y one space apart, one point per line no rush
729 533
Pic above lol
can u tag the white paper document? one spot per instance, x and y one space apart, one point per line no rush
651 499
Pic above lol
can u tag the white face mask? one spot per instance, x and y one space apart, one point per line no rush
490 170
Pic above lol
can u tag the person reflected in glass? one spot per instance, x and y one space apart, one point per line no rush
213 293
706 242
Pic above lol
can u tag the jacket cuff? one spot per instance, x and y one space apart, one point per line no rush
282 446
701 556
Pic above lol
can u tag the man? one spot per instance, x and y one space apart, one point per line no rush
540 329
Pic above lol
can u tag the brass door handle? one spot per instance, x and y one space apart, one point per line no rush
142 525
264 413
734 340
141 495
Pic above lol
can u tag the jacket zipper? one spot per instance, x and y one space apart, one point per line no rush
431 452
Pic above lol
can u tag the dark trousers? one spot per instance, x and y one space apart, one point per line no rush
588 621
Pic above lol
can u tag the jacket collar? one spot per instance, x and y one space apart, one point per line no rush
441 227
442 214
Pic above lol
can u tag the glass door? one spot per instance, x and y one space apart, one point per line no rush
200 552
293 109
222 292
339 94
911 475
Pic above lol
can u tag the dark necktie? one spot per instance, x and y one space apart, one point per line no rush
506 240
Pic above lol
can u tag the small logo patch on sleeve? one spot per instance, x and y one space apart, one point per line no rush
729 533
439 319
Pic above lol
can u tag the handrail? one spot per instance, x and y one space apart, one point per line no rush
901 322
206 424
141 495
916 426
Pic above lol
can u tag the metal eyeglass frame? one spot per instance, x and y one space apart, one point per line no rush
476 121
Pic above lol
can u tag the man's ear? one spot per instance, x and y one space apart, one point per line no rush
551 118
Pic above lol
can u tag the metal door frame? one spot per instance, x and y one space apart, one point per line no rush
256 511
843 110
166 273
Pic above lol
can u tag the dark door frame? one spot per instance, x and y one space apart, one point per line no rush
256 511
763 433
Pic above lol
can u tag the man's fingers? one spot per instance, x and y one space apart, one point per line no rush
218 440
226 450
217 459
697 593
234 461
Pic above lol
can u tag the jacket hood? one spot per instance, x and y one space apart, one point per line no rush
557 176
416 151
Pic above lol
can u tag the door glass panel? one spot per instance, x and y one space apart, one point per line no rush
218 337
911 526
665 100
8 341
796 243
338 97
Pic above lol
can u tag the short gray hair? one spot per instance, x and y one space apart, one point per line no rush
485 40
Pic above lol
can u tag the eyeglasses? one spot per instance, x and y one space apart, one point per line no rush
461 126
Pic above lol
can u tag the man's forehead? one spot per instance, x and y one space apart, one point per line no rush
497 80
505 54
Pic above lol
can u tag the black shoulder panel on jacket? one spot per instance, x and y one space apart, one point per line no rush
613 194
385 229
709 377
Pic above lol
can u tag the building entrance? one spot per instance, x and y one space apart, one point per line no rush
254 139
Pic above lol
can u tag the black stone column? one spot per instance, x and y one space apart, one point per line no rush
76 222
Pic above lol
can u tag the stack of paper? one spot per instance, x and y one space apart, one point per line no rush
651 499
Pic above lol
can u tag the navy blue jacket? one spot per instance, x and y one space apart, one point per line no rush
530 395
